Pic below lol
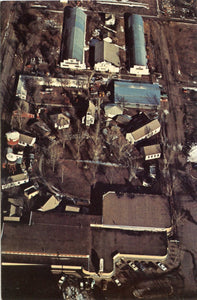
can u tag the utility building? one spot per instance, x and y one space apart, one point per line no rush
136 43
106 57
73 39
136 95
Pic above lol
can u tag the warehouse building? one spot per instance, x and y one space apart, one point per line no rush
137 49
106 57
136 95
73 39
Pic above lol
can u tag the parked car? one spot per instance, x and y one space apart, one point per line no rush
133 266
117 281
61 281
152 171
161 266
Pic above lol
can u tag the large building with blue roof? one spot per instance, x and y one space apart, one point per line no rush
73 38
137 51
136 95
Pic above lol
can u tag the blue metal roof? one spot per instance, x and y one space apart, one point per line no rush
74 33
136 26
132 94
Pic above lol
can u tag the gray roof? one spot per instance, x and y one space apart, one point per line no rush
105 51
136 28
131 93
73 33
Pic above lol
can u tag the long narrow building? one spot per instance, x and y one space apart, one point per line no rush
137 53
73 39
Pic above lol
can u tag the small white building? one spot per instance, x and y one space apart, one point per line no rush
12 138
72 63
144 132
110 19
50 204
89 118
152 152
60 121
192 155
106 57
26 140
21 90
31 192
112 110
15 180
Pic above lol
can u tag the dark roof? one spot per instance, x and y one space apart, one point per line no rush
130 93
137 122
108 241
144 210
73 33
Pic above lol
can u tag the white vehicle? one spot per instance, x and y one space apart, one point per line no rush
117 281
81 285
161 266
133 266
61 280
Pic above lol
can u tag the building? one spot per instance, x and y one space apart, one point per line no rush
12 138
31 192
21 90
89 118
51 203
137 49
137 211
152 152
26 140
15 180
144 132
112 110
136 95
15 214
60 121
73 39
110 19
106 57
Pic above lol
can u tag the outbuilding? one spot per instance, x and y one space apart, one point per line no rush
73 39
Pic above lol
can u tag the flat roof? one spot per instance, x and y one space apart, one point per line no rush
106 241
136 93
50 233
143 210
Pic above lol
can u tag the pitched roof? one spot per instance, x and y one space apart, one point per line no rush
50 204
113 110
18 177
105 51
144 130
26 139
152 149
60 119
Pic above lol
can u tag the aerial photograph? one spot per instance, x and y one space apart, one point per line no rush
99 150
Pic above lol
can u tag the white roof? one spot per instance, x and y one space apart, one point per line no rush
192 157
113 110
13 135
50 204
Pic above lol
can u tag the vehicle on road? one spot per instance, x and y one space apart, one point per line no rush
161 266
133 266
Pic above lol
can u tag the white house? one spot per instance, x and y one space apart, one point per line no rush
144 132
15 180
60 121
152 152
89 118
